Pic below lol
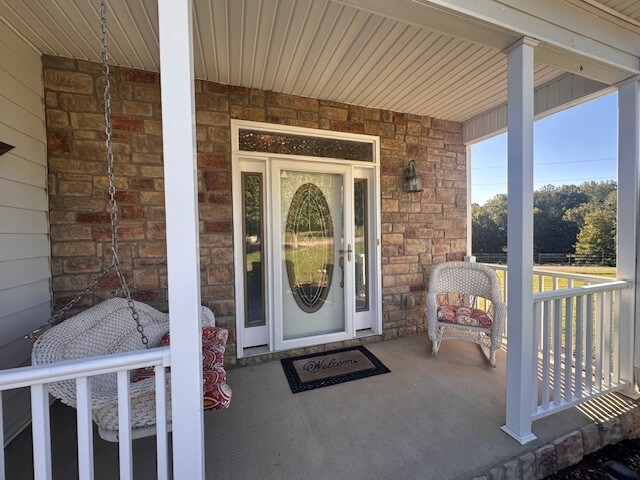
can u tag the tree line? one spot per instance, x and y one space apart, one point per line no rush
567 219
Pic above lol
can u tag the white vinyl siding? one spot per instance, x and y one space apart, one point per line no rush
25 272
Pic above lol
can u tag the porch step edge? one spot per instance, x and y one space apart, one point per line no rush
568 449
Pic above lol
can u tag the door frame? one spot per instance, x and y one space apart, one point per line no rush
265 159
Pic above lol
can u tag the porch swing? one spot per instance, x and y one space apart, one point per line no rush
120 325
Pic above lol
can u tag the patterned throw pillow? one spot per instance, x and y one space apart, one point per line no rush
216 392
461 315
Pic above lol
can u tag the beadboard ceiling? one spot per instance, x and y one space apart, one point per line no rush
626 9
312 48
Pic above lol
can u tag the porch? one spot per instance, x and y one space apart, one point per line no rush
431 417
354 75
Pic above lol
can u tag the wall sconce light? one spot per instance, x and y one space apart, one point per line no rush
5 147
412 179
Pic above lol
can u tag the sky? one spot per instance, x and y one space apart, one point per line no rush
570 147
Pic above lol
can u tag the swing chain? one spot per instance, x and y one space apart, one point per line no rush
113 208
33 336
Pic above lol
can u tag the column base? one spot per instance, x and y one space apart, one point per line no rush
521 439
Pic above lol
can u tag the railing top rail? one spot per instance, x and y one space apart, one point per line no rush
579 291
496 266
574 276
82 367
558 274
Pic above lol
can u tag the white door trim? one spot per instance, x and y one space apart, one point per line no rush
265 159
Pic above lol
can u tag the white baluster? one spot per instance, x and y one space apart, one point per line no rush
557 351
579 345
161 424
41 430
546 355
589 345
606 338
598 341
124 426
568 348
85 429
537 328
616 337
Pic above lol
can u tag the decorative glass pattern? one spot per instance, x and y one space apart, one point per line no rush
290 144
309 247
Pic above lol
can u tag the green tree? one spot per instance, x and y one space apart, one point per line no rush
489 226
486 233
598 234
553 232
600 195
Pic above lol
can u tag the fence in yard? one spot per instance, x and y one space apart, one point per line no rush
554 258
37 377
576 342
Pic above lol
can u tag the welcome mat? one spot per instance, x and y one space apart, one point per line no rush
317 370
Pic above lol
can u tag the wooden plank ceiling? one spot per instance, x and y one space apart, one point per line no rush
627 9
312 48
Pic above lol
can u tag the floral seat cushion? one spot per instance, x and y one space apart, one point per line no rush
216 393
461 315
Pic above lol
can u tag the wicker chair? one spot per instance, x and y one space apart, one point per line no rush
464 284
105 329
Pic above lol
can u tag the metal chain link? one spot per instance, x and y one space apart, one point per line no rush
33 336
113 208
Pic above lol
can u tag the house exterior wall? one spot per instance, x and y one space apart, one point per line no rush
25 276
418 230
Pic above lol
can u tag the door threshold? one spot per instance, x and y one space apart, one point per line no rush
255 351
366 332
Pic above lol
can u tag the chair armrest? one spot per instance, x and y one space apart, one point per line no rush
432 314
499 318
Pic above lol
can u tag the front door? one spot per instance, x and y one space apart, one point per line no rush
306 237
312 236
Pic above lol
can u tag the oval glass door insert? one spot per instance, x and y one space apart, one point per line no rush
309 247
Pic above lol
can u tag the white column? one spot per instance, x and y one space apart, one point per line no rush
627 234
183 252
520 240
469 256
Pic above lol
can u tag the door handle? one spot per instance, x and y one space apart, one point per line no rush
348 251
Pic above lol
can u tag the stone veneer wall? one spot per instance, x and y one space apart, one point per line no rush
419 230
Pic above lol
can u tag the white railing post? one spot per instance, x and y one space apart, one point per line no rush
627 234
520 240
183 253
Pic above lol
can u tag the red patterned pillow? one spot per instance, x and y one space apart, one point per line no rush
216 396
447 313
472 317
216 393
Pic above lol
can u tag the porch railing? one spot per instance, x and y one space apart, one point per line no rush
576 346
37 377
547 280
576 341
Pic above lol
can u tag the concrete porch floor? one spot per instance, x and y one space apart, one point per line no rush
430 418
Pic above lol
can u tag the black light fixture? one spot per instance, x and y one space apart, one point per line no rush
412 179
5 147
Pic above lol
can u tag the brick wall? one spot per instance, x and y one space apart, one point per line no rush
418 230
